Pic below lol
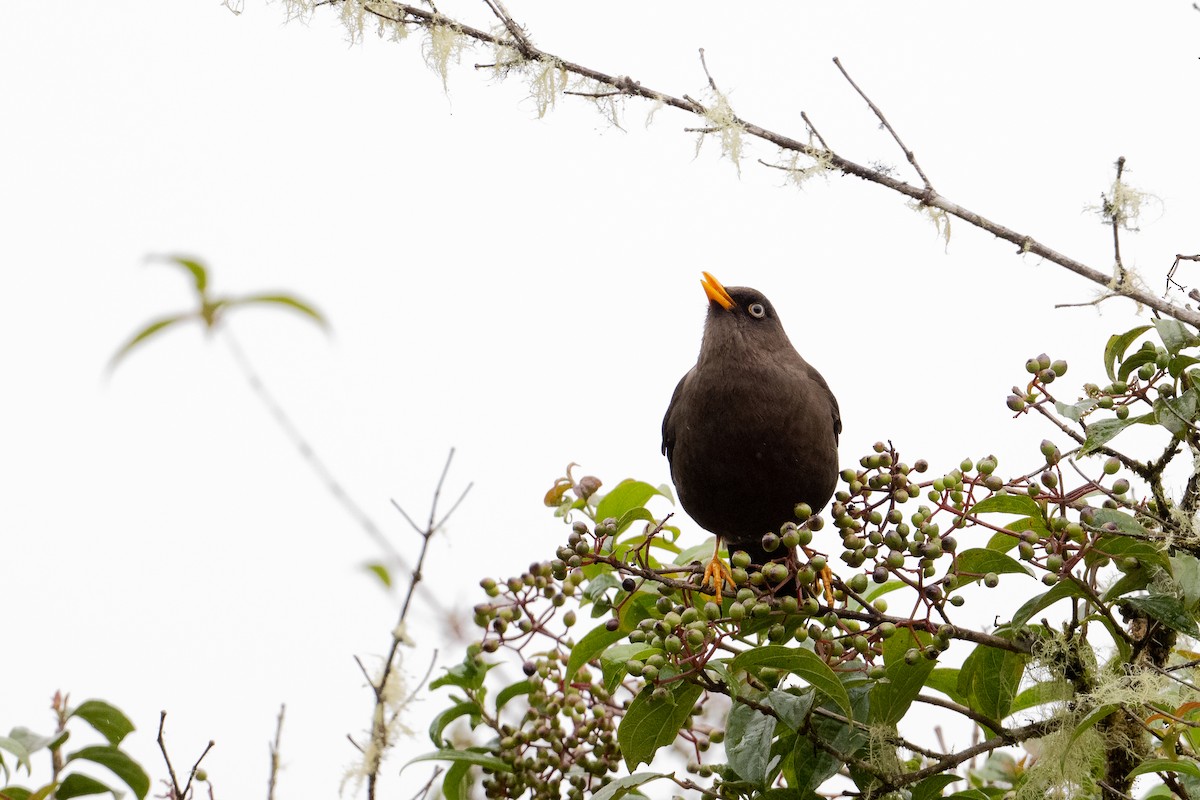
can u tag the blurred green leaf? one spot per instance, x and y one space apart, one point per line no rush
443 719
509 692
465 675
945 680
456 784
1186 569
144 334
612 661
474 755
197 269
1134 361
108 720
802 663
1182 766
120 764
649 724
79 785
286 300
380 572
1074 411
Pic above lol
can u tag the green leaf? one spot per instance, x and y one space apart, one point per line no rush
443 719
1130 582
474 755
1178 364
1021 504
465 675
1134 361
381 572
598 639
1102 430
1117 345
882 589
891 698
791 705
649 724
1041 693
1174 335
699 552
1075 411
1118 546
1168 610
945 680
509 692
803 663
18 749
979 561
1182 766
1176 414
932 786
457 783
285 300
624 497
192 265
1186 569
79 785
1060 591
990 679
144 334
121 765
631 516
1094 716
748 735
612 661
622 787
108 720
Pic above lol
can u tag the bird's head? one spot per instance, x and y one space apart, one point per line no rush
741 321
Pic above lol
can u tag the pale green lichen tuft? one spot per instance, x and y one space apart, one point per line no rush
548 84
723 123
354 20
298 10
1062 769
505 57
444 42
798 175
941 220
658 103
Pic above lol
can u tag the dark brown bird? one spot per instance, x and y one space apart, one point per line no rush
752 429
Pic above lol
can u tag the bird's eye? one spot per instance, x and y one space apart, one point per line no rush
757 311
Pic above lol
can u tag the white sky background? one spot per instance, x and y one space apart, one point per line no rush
525 290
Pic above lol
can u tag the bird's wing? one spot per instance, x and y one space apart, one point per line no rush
668 426
834 411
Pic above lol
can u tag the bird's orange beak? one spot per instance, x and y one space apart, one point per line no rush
716 292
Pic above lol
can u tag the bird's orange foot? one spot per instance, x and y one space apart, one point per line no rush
720 575
827 583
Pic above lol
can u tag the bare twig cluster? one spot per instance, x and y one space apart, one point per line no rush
511 37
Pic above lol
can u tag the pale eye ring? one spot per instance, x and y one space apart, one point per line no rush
757 311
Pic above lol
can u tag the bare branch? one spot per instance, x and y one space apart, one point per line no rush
912 158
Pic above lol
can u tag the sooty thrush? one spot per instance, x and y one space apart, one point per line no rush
752 429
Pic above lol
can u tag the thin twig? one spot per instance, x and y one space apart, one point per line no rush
380 723
176 792
909 154
407 13
275 754
1116 226
813 129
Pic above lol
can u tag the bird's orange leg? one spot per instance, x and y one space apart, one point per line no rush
717 570
826 577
